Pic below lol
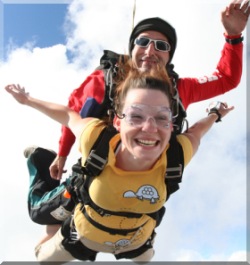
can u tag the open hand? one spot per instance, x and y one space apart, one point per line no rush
234 18
18 93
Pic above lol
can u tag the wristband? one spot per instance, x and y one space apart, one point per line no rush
216 112
214 108
234 41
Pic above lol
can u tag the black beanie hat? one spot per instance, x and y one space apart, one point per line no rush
156 24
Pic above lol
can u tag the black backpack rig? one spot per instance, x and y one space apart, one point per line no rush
82 175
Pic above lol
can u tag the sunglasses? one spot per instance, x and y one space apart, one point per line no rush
160 45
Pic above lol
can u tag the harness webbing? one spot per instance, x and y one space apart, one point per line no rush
175 165
104 212
98 156
112 231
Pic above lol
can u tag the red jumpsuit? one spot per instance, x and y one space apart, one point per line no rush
226 77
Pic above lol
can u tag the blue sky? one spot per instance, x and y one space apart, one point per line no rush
33 22
206 219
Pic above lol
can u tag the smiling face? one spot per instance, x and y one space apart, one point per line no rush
145 58
142 145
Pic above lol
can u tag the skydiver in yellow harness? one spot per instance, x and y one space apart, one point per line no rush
133 179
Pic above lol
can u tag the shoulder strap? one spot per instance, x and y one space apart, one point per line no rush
175 165
94 164
109 65
178 110
98 155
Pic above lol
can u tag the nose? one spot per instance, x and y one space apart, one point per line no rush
150 49
149 125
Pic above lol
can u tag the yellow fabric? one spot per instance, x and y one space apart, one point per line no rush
187 148
89 136
119 191
86 230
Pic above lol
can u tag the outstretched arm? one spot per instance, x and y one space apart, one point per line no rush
234 17
57 112
199 129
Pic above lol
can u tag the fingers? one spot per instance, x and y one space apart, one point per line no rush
9 87
56 171
246 8
242 5
15 88
12 89
245 5
60 173
224 106
236 4
230 108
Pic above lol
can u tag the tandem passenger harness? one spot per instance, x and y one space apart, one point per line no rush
94 165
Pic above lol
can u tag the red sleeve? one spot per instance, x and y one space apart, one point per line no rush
226 77
93 87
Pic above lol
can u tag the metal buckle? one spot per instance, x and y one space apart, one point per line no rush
178 171
93 156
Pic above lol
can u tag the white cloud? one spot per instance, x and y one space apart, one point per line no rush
209 209
238 256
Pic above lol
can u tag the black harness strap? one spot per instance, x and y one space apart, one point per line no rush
175 165
178 110
104 212
98 156
94 164
109 64
112 231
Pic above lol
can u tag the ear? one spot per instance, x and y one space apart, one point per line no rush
117 123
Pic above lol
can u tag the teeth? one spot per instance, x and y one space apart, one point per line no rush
147 142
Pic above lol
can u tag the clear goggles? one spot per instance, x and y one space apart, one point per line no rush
160 45
138 114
